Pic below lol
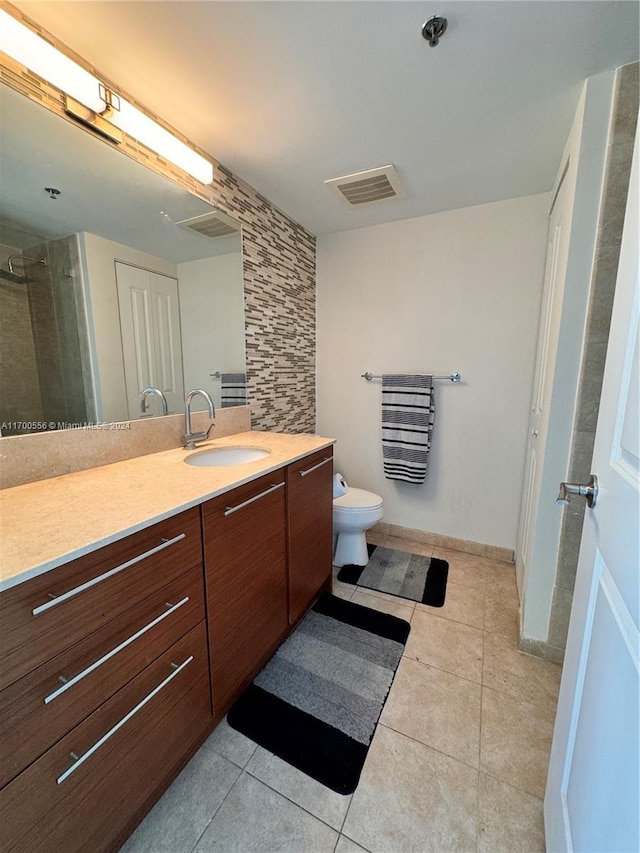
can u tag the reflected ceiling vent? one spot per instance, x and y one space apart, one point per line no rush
211 225
372 185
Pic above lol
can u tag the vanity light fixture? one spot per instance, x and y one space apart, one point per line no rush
28 48
91 102
98 121
135 123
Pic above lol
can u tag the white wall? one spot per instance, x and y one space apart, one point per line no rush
212 319
453 291
98 259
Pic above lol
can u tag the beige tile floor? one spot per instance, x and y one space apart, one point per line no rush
458 761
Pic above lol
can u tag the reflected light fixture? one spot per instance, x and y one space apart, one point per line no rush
91 102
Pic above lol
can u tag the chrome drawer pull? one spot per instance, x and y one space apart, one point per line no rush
82 758
58 599
67 683
315 467
231 509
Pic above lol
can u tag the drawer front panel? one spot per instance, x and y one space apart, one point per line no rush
43 616
124 751
40 708
257 494
245 555
310 528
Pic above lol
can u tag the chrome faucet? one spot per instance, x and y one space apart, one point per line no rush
142 397
189 437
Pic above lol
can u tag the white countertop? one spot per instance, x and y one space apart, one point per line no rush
46 523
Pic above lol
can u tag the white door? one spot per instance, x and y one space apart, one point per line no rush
151 340
592 802
549 330
168 340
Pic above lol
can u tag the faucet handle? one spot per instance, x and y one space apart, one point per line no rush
189 441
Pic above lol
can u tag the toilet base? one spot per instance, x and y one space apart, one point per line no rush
351 549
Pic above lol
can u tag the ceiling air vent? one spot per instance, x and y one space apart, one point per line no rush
372 185
211 225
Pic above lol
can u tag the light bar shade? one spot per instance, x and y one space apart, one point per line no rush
136 124
35 53
28 48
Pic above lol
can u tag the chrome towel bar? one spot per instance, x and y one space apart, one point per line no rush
452 377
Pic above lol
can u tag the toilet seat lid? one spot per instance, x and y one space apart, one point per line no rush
358 499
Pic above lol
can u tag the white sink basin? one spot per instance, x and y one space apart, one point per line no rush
217 456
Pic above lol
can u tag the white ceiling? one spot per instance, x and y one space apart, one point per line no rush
289 94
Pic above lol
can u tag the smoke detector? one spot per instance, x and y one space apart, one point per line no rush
211 225
371 185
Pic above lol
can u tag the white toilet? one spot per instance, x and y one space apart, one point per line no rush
354 513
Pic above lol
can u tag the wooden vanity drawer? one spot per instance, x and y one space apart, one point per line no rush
43 616
246 573
40 708
125 751
309 528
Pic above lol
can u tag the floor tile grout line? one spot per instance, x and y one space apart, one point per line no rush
293 802
230 760
429 746
511 785
449 619
482 681
479 752
433 613
541 663
440 669
346 814
515 695
217 809
366 849
548 699
363 590
519 699
493 774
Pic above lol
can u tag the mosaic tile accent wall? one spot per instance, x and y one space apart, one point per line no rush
279 284
279 264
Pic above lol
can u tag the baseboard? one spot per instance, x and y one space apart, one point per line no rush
491 552
541 649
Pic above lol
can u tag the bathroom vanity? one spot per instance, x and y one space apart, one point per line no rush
121 653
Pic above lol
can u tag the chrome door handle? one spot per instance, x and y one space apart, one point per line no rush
588 491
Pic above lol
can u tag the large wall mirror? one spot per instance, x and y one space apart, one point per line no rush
112 279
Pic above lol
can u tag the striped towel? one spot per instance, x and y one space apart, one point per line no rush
233 389
407 422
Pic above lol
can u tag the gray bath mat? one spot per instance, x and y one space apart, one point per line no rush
317 702
410 576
